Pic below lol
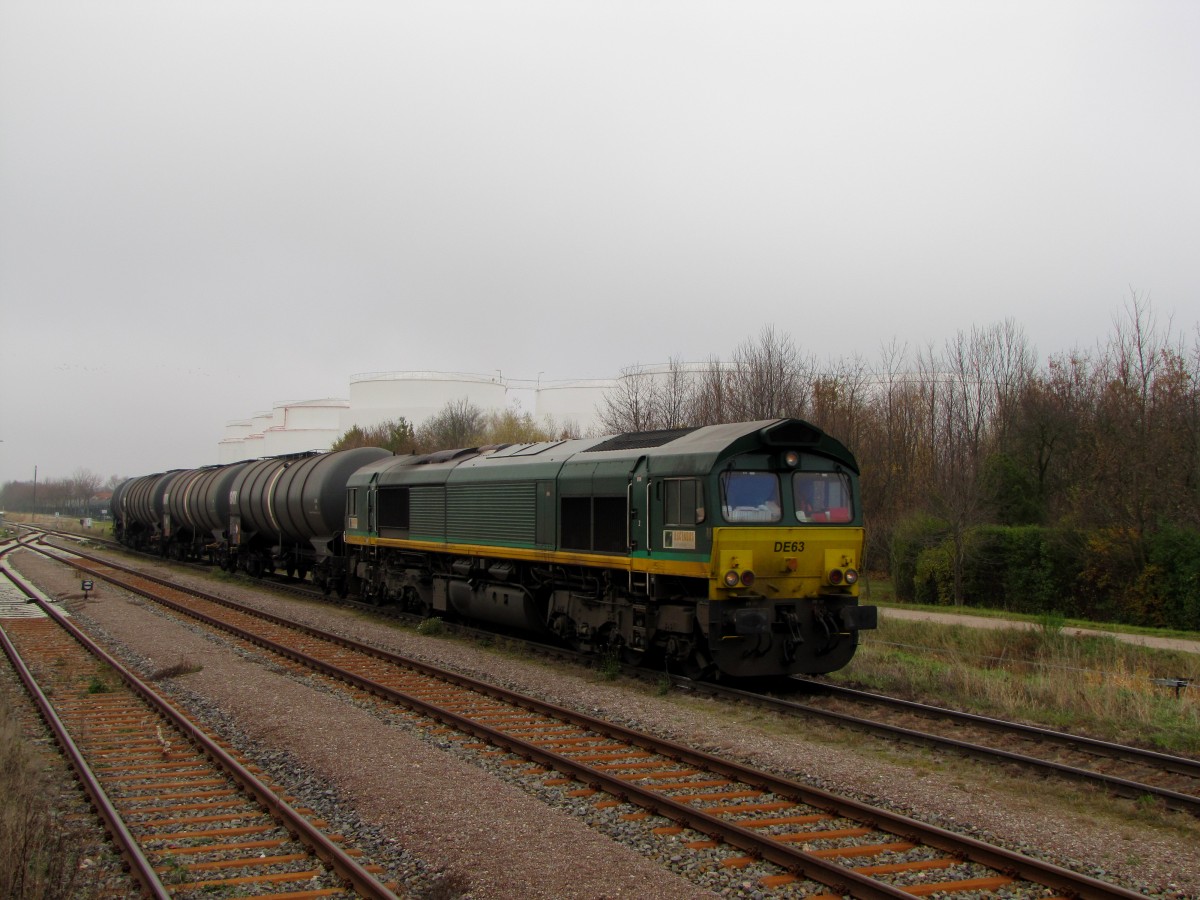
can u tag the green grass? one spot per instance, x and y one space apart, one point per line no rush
1096 685
878 590
40 848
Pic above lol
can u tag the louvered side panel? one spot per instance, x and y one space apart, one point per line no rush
427 513
504 514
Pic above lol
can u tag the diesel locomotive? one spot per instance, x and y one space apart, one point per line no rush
725 550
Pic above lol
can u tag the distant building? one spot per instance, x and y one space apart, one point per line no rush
377 397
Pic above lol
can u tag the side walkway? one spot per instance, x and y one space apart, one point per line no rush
969 621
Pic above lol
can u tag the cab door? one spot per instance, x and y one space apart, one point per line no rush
640 509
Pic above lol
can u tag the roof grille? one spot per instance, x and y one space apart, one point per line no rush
640 440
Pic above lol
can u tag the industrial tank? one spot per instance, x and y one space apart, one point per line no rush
117 499
207 500
176 520
295 499
249 495
144 500
572 403
376 397
232 447
309 501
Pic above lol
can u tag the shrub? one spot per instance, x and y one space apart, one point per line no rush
430 627
933 580
909 540
1169 586
1025 569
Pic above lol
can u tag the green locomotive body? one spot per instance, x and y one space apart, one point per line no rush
729 549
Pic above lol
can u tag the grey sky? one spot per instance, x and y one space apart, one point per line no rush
209 207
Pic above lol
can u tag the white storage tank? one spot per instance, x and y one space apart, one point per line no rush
260 422
572 404
304 425
253 447
376 397
279 441
231 448
323 414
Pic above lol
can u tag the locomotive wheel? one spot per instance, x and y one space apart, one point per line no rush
412 602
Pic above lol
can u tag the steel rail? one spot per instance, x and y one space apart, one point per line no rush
1180 765
832 874
140 867
1122 786
339 861
1119 786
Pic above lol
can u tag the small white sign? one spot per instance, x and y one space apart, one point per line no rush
679 540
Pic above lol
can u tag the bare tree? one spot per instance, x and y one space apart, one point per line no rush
672 396
629 405
83 485
460 423
711 400
769 378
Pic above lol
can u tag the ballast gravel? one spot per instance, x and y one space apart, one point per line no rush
447 821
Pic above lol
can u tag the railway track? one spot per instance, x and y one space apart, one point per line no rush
1121 770
849 847
1131 772
188 817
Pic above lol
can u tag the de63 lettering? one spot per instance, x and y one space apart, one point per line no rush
789 546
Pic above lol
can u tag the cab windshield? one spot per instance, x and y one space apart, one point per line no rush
822 497
750 497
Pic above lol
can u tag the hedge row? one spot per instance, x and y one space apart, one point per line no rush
1107 576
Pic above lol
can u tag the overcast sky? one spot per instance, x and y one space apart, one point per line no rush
210 207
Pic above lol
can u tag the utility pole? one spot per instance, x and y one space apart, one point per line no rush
35 493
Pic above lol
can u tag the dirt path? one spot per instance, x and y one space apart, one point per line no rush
986 622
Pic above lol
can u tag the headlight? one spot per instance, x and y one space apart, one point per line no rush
732 578
747 578
835 576
851 576
791 459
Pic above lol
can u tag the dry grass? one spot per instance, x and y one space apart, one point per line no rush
1095 685
40 852
176 670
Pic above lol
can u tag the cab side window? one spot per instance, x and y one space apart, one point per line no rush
683 501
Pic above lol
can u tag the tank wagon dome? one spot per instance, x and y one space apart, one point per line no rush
376 397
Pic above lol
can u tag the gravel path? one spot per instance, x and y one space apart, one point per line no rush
401 795
969 621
